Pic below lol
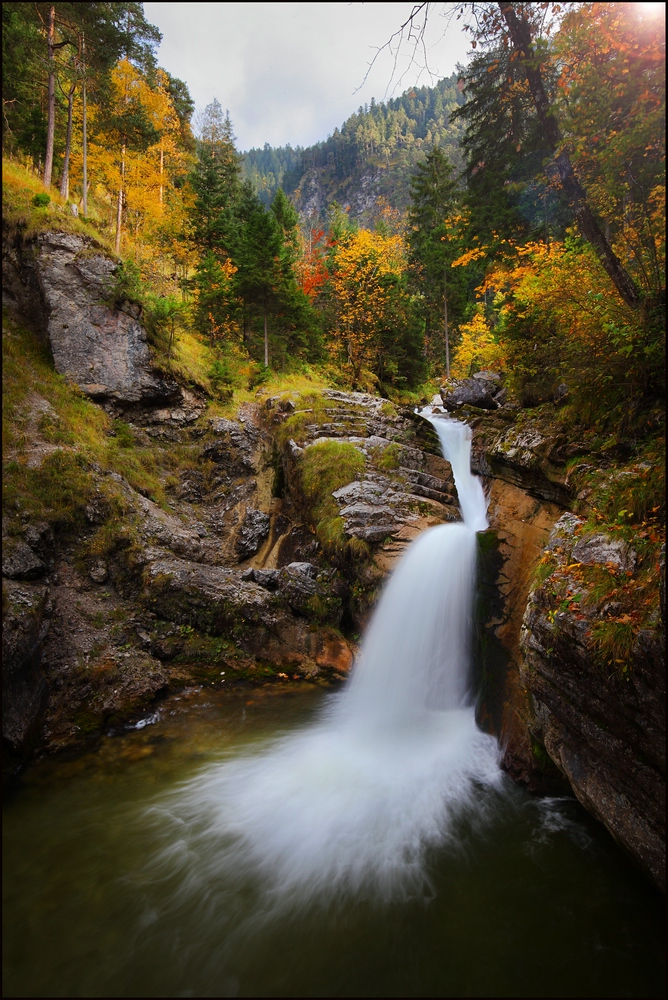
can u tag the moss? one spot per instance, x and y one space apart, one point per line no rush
88 722
325 468
390 458
310 410
543 570
57 491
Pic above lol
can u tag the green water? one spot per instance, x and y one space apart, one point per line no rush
536 901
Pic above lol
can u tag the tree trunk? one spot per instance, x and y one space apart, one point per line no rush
447 331
520 36
65 179
51 99
266 338
119 209
85 142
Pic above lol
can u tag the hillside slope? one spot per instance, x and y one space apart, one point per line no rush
370 157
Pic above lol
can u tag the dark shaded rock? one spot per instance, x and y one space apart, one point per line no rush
525 452
216 601
253 531
99 571
24 688
311 592
471 392
19 562
267 578
234 447
507 555
603 728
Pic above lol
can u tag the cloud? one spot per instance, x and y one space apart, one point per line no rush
288 72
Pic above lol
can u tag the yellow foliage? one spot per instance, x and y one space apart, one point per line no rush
362 260
479 348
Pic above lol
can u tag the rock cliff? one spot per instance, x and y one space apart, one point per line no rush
571 631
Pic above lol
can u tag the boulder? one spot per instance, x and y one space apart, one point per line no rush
19 562
477 392
600 548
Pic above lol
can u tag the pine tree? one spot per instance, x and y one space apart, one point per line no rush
257 257
434 197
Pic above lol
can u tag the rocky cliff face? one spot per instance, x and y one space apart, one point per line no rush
571 633
59 282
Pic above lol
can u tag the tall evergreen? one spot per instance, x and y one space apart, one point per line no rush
257 256
216 182
434 197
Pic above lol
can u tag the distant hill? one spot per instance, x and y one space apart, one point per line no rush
370 157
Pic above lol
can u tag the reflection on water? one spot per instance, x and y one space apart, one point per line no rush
108 891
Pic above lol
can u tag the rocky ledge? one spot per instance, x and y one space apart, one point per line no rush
571 632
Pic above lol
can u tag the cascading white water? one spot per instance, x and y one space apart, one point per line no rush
357 798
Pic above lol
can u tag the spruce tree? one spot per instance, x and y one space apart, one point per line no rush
434 196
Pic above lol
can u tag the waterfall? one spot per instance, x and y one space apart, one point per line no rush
357 799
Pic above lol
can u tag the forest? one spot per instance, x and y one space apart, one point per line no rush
557 285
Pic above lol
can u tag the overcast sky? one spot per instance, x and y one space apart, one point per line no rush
289 72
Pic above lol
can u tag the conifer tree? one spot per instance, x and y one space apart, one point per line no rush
434 196
257 257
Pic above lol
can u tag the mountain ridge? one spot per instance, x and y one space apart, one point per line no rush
371 157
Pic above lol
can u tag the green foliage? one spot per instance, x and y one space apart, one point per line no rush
41 200
544 570
614 641
126 286
123 434
57 491
390 137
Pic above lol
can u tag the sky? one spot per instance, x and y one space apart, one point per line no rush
293 72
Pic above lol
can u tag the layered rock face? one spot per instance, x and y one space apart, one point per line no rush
602 724
568 718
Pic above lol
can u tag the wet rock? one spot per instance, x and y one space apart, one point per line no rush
477 392
603 727
254 529
216 601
